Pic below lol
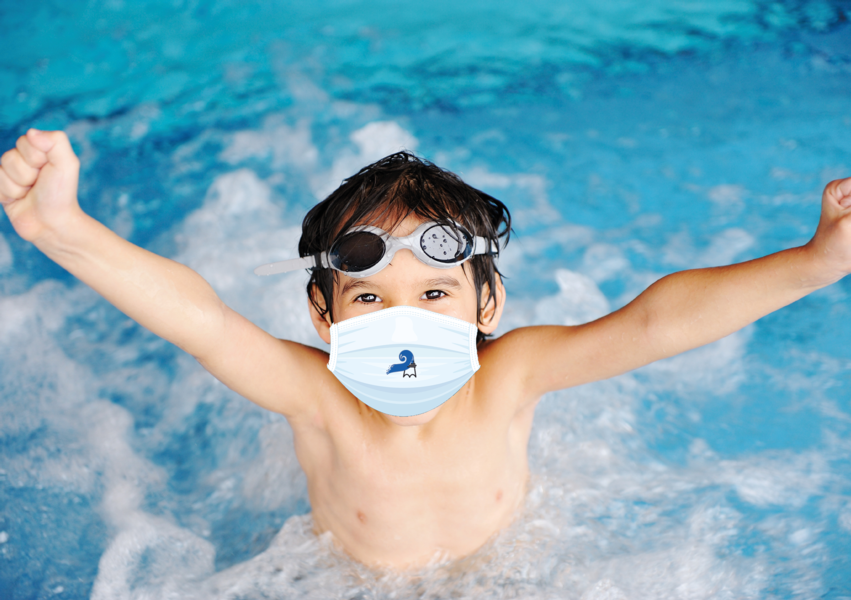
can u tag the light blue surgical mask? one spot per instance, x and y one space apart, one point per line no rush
403 361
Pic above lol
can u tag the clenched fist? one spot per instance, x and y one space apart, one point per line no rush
832 241
38 184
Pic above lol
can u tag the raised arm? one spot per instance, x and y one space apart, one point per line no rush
690 308
38 190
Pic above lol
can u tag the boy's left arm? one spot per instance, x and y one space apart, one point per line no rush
688 309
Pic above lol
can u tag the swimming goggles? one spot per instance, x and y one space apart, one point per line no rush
365 250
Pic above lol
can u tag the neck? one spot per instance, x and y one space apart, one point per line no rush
417 421
422 424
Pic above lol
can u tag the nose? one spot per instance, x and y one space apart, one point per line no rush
404 332
402 264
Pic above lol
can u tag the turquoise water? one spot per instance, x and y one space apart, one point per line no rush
629 139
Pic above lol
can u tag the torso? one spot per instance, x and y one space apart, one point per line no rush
398 496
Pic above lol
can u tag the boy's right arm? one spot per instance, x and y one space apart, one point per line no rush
683 310
38 190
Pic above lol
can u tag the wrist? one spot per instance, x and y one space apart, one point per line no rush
818 267
63 232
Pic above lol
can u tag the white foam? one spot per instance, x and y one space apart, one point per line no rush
718 366
150 558
786 479
46 389
725 248
239 227
40 309
59 400
604 590
283 143
536 207
377 139
727 195
602 262
373 141
275 476
579 301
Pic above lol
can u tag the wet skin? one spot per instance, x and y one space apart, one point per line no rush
398 490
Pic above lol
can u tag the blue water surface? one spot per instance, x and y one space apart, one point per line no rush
630 140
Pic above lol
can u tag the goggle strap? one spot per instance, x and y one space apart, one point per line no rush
484 246
293 264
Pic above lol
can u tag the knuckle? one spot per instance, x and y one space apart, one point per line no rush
832 188
8 158
8 187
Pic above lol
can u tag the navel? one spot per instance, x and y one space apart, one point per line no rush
361 517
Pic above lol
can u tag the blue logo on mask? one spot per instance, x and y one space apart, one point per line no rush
407 358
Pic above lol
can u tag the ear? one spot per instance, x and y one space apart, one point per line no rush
320 322
492 310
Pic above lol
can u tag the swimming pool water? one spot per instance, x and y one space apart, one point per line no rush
629 140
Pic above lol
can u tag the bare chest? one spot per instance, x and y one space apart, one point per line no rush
399 499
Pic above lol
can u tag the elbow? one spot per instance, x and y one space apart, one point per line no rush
654 332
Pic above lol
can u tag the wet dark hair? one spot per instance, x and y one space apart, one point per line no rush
385 193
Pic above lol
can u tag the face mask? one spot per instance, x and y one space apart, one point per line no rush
403 361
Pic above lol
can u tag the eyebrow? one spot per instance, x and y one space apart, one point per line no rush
440 282
353 284
449 282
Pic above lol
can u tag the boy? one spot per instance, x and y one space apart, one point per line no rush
395 486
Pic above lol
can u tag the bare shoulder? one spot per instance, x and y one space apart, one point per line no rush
546 358
280 375
523 346
508 363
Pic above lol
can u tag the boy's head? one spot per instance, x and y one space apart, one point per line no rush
404 188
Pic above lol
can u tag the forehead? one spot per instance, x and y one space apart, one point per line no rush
395 225
437 279
404 227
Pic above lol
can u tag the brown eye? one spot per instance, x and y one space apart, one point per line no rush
367 298
434 295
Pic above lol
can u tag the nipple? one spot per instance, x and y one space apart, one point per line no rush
404 332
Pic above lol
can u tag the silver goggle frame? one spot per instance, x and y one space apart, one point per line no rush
417 242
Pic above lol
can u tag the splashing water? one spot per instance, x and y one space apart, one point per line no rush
629 141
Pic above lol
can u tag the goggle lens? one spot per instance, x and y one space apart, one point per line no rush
445 244
357 251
